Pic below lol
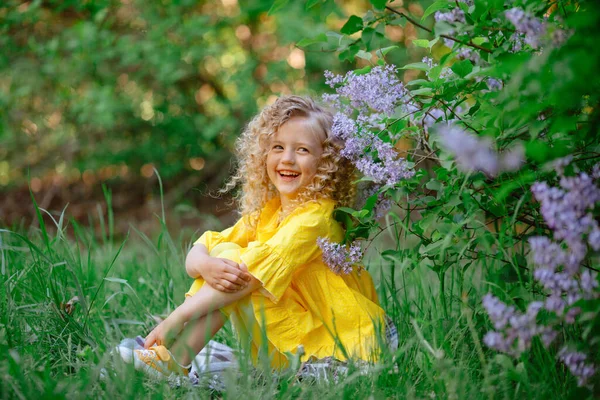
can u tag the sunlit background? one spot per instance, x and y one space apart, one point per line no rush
95 97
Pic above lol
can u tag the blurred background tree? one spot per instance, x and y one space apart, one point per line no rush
106 91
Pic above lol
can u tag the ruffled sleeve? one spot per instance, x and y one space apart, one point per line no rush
275 261
240 233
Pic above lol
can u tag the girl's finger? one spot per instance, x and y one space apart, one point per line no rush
220 288
245 274
230 263
237 271
237 281
150 340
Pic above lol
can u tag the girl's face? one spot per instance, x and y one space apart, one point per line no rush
294 152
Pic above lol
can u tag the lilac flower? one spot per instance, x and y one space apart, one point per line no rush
468 53
446 72
594 239
373 97
340 259
499 312
472 153
432 116
514 330
516 43
533 31
525 23
596 171
494 84
382 205
378 90
576 362
512 159
567 210
456 15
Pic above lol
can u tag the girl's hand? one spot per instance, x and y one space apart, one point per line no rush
166 332
225 275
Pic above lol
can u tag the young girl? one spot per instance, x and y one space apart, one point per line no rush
272 278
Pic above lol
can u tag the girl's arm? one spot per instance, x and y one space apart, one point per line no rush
222 274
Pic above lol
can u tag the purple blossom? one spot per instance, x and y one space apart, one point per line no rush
374 96
494 84
528 25
378 90
340 259
456 15
468 53
576 362
514 330
389 170
499 312
382 205
565 210
533 31
471 152
432 116
512 159
445 73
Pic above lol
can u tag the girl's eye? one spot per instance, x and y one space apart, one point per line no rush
303 149
278 147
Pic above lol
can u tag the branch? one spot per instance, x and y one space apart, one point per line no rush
412 21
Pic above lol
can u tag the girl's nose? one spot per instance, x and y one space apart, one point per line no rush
288 157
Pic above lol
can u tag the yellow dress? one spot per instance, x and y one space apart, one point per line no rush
301 302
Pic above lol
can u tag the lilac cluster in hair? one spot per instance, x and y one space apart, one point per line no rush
567 210
339 258
363 103
473 153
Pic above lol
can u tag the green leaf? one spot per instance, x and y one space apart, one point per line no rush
424 90
363 71
378 4
462 68
311 3
382 52
320 38
364 55
349 53
438 5
353 25
421 66
369 38
520 181
277 5
421 43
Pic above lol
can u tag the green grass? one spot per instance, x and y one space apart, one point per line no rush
46 352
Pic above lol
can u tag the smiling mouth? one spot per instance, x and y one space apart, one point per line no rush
288 175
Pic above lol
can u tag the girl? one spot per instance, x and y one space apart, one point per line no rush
272 278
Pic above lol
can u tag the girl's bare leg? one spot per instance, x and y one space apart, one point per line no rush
196 335
208 300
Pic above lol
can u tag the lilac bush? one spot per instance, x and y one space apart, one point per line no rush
503 89
559 269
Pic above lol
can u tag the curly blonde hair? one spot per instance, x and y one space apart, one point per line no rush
334 176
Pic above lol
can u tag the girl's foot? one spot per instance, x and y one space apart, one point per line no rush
157 362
